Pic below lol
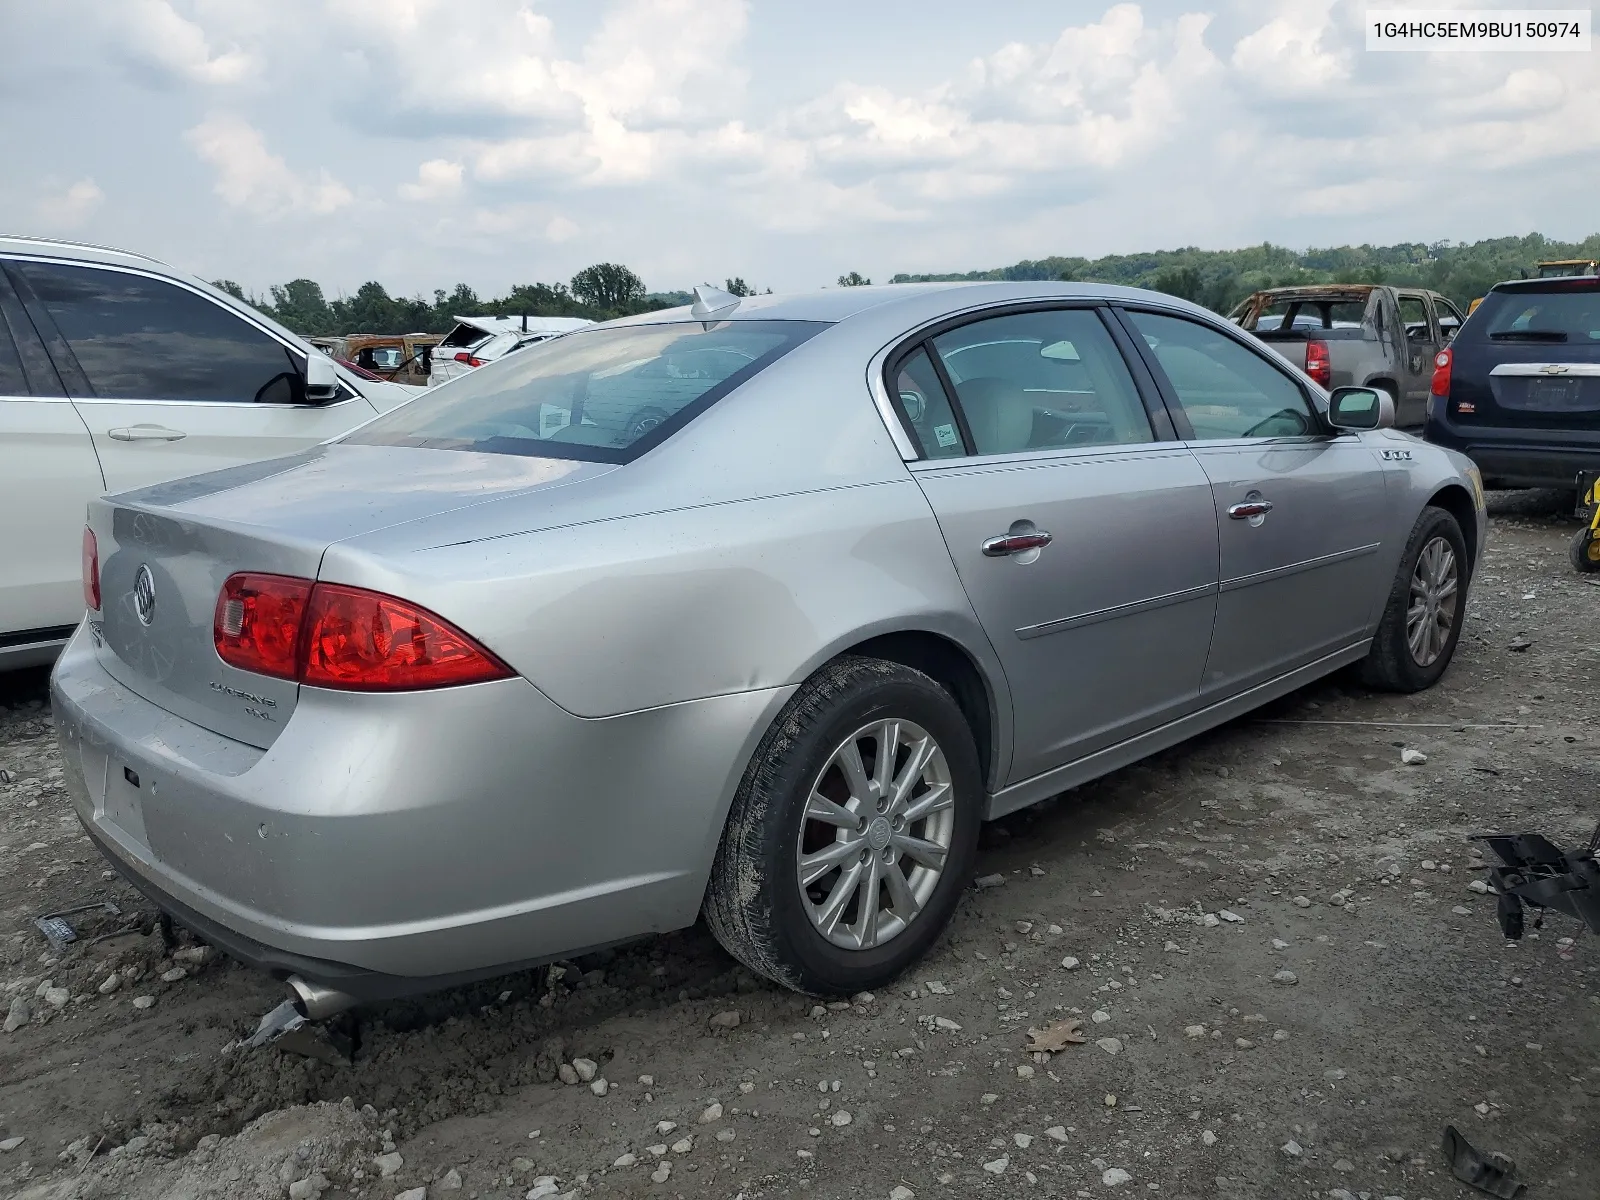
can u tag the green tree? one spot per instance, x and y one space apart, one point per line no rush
301 306
608 287
738 287
854 279
232 288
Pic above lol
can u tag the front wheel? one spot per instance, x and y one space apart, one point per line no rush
853 833
1584 550
1421 622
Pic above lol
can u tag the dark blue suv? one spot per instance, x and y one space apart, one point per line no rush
1518 390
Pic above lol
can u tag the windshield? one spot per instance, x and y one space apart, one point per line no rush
1568 315
606 395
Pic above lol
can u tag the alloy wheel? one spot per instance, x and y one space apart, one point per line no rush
1434 603
875 834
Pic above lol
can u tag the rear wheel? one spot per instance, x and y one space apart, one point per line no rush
853 833
1421 622
1585 550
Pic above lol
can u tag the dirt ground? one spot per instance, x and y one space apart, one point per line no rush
1287 986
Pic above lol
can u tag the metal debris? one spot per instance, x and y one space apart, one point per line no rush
288 1029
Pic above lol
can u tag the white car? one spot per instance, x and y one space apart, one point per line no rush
478 340
117 372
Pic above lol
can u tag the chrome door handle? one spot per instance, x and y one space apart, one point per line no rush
1250 508
145 433
1015 543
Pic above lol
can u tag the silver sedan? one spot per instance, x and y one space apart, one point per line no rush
755 609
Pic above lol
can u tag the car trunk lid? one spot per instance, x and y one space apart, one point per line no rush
166 551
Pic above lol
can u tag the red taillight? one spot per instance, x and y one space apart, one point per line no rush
332 636
1318 365
257 623
464 357
366 641
1441 374
91 570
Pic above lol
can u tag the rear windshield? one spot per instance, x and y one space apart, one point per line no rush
1565 315
1311 314
464 336
605 395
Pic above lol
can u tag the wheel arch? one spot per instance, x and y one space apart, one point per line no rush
947 662
1387 384
1456 501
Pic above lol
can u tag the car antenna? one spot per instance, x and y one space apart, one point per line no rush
710 301
524 322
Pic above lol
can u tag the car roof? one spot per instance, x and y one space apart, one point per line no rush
839 304
77 251
1553 283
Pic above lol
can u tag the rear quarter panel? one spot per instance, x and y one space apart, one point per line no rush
617 615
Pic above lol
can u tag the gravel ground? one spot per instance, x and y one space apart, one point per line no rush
1286 985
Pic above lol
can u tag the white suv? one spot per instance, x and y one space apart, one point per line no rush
117 372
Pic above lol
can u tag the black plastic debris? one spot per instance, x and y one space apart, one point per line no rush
59 931
1537 874
1495 1174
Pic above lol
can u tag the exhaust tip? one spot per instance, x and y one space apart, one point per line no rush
317 1003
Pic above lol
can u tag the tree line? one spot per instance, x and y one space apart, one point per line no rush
1219 279
600 292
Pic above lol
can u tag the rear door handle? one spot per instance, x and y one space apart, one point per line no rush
1250 508
145 433
1015 543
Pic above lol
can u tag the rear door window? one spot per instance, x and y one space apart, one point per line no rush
606 395
138 338
1046 380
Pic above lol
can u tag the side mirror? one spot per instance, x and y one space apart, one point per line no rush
1358 409
322 381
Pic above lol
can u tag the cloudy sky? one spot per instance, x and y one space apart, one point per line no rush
425 142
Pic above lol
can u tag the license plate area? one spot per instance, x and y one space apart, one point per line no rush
1561 395
123 804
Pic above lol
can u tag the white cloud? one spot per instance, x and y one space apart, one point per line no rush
673 134
153 34
72 206
437 179
1295 53
254 179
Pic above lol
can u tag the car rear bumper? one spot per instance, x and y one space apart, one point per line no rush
1511 457
390 844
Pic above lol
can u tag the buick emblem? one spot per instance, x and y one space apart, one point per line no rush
144 594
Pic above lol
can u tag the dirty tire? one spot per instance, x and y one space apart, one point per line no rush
1389 665
1584 550
753 903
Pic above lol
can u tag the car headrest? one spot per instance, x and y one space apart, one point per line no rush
999 413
